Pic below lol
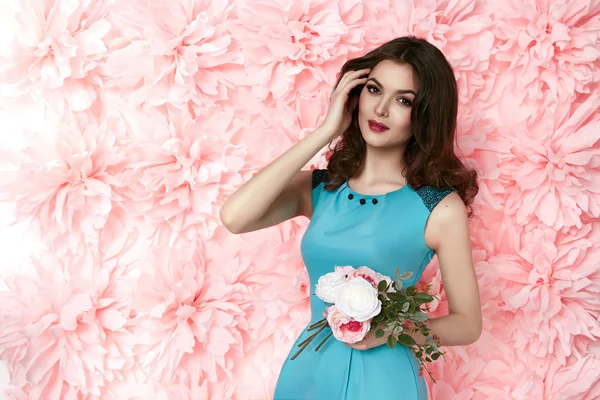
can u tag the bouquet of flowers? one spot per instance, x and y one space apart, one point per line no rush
362 299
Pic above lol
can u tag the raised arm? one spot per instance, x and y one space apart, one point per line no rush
281 191
278 192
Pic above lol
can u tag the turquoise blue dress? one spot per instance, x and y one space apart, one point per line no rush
383 232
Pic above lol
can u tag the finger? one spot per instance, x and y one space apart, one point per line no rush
350 78
352 84
350 75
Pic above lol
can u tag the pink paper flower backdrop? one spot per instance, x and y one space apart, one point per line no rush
156 111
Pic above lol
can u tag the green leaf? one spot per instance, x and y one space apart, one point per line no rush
379 333
435 356
423 297
406 275
398 285
429 350
398 329
419 354
382 286
419 316
405 307
406 340
391 341
410 291
395 296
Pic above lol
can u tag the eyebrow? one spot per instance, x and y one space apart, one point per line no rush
399 91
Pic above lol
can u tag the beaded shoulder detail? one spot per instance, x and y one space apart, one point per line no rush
318 176
432 196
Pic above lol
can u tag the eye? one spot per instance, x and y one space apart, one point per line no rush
407 102
372 89
402 100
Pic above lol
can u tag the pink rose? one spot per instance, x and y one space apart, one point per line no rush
368 274
346 270
346 329
373 277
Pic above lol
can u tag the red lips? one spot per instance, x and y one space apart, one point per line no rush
376 126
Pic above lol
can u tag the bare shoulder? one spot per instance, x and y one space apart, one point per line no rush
449 214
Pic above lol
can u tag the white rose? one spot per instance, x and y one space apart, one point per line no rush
358 299
329 285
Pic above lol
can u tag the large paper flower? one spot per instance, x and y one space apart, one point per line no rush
578 379
553 173
65 331
498 377
482 145
192 315
55 56
552 288
182 53
185 173
299 46
69 183
280 126
277 306
551 46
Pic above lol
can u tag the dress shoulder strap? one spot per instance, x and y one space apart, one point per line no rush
318 176
432 196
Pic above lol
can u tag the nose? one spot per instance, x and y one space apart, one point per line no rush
381 109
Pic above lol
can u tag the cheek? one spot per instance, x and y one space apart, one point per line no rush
402 117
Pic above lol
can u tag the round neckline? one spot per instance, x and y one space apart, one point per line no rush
347 184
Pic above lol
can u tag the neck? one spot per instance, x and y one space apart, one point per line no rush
387 164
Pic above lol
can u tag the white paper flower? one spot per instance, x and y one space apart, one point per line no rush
358 299
329 286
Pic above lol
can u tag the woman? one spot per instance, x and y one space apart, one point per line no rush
393 195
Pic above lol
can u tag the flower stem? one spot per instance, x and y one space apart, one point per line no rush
427 369
317 324
323 341
311 337
306 341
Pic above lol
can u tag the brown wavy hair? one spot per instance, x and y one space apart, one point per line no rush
430 158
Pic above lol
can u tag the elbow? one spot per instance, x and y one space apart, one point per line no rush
475 335
227 222
475 332
468 331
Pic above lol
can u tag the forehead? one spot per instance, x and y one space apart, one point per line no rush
395 76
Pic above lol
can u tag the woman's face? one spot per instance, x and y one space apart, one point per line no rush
387 99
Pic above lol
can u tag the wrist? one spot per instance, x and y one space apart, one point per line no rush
327 132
